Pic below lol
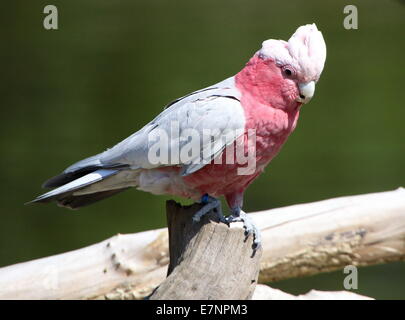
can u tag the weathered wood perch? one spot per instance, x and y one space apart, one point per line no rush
208 260
298 240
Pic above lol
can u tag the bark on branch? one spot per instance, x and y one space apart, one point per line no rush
298 240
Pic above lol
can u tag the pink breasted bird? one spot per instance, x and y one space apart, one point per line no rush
265 98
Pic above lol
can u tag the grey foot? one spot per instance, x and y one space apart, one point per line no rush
210 203
250 227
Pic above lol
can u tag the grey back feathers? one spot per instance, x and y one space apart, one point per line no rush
216 108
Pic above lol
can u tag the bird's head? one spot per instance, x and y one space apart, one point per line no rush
284 74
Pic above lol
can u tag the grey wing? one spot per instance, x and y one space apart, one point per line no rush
216 109
214 114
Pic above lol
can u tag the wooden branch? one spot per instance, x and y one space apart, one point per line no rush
328 235
208 260
298 240
103 270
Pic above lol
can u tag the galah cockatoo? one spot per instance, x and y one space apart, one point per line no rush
262 101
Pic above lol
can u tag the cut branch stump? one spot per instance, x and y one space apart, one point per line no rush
208 259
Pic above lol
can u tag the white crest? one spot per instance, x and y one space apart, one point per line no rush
305 50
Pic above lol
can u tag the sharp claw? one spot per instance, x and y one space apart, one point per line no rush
257 242
223 220
249 226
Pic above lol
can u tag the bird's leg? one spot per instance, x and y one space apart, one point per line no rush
209 204
238 215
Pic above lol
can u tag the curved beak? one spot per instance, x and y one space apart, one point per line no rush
307 91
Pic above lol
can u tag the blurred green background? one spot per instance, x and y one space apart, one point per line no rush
113 65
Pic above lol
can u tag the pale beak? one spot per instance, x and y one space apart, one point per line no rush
306 91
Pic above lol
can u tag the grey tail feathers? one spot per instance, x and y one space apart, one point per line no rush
75 202
64 194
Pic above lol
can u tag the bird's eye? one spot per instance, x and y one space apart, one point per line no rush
288 71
